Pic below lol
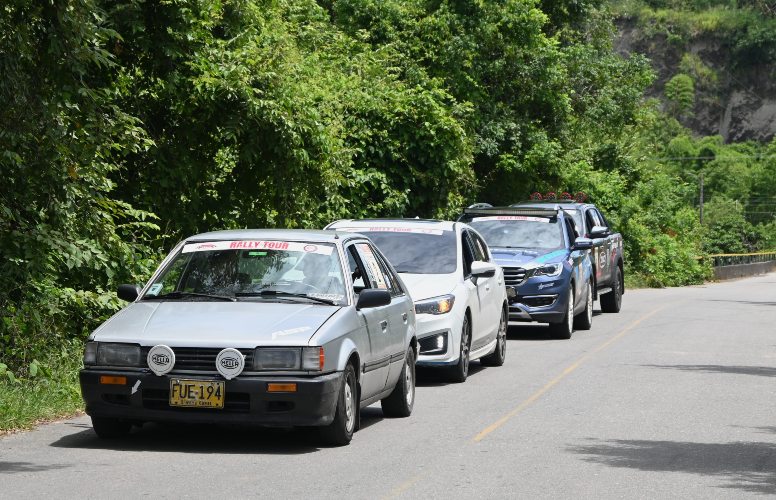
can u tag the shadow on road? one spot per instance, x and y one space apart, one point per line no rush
436 377
746 466
748 302
762 371
13 467
180 438
529 331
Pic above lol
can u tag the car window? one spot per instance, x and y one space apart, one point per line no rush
480 248
577 216
601 220
592 220
414 251
355 269
393 282
468 253
374 274
571 231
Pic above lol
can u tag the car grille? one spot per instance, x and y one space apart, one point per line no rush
514 276
201 359
159 399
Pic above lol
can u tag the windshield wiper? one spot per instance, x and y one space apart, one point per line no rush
280 293
180 295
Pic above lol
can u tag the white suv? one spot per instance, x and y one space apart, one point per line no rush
459 293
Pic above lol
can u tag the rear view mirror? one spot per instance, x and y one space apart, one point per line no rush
373 297
128 292
599 232
582 244
483 269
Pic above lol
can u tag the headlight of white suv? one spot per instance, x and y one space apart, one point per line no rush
436 305
112 354
548 270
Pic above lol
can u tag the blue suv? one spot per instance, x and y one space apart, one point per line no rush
547 267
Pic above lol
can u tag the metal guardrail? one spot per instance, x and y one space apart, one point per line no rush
737 259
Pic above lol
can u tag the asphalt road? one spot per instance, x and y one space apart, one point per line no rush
673 397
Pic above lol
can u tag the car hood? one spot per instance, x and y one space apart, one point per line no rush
215 324
525 257
424 286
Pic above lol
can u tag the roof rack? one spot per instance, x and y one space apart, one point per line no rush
480 205
527 211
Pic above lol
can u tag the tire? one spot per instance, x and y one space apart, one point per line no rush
499 354
110 428
565 328
458 372
340 431
399 404
612 301
584 320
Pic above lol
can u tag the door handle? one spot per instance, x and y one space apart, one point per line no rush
404 317
384 325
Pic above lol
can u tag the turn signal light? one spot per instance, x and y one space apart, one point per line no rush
112 380
281 387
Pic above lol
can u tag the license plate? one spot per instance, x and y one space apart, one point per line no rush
197 393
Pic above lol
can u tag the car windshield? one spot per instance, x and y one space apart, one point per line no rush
275 270
539 233
416 251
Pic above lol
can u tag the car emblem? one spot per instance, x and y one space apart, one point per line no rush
310 248
160 359
230 363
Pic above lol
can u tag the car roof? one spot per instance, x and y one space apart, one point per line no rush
311 235
444 225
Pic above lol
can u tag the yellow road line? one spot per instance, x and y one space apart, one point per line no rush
406 485
522 406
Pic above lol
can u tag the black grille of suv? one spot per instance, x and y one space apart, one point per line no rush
201 358
541 301
514 276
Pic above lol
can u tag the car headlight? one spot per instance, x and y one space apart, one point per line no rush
548 270
288 358
110 354
437 305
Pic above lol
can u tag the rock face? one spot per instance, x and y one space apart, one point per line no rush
738 103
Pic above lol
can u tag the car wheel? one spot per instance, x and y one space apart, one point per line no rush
402 399
340 431
565 328
497 357
612 301
584 320
110 428
460 370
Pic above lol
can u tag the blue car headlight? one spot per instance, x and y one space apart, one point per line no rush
550 270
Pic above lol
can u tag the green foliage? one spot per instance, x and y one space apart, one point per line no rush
680 94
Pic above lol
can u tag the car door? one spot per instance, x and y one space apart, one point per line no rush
478 293
492 306
577 257
375 363
399 317
605 255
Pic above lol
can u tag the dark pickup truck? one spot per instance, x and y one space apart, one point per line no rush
607 254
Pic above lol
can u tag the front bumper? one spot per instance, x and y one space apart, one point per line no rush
533 291
430 325
246 399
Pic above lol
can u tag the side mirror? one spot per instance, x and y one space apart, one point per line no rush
482 269
128 292
582 244
373 297
599 232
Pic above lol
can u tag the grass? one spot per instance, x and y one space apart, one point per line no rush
53 393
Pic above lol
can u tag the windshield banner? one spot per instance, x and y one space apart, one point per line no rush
383 229
511 217
288 246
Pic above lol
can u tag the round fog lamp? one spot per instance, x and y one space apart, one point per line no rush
230 363
160 359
